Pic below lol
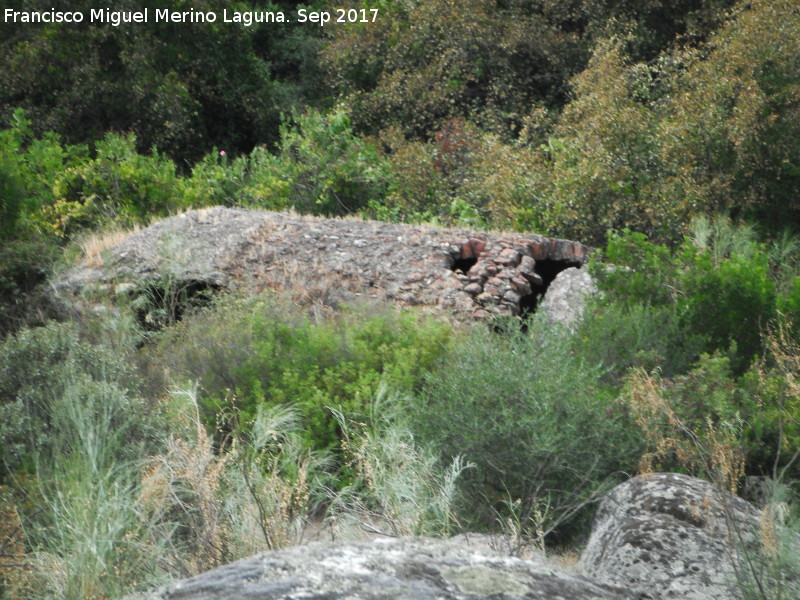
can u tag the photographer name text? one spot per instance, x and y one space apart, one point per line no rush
117 18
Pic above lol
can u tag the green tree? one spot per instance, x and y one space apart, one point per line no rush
731 127
183 87
422 63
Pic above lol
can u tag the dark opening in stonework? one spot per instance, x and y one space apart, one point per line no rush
466 256
528 304
464 264
160 303
547 269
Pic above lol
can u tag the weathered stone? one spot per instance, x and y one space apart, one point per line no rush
122 289
566 297
511 254
671 533
463 568
534 278
473 248
538 250
657 537
486 299
473 288
527 264
521 285
505 261
466 251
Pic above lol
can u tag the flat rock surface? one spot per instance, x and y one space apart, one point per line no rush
404 568
472 274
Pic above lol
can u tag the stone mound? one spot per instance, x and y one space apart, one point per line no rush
339 260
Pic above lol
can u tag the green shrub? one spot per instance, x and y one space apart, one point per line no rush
38 368
84 531
321 167
421 65
727 301
537 421
462 177
703 128
29 168
120 187
396 486
183 87
260 351
756 416
731 303
600 170
25 264
73 433
621 337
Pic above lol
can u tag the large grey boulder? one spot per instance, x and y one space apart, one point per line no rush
566 297
387 569
674 534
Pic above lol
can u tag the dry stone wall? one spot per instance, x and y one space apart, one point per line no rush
470 274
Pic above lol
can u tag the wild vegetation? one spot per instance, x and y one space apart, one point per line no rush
666 133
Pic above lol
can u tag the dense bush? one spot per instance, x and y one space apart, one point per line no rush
752 421
601 170
620 337
462 176
45 370
544 431
701 130
118 187
257 352
25 264
321 168
421 64
728 302
29 168
730 127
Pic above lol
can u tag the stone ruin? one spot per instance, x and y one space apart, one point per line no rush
472 275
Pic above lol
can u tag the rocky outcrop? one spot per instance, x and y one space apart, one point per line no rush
470 274
657 537
387 569
673 534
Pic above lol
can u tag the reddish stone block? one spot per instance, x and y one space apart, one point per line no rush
537 250
478 246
